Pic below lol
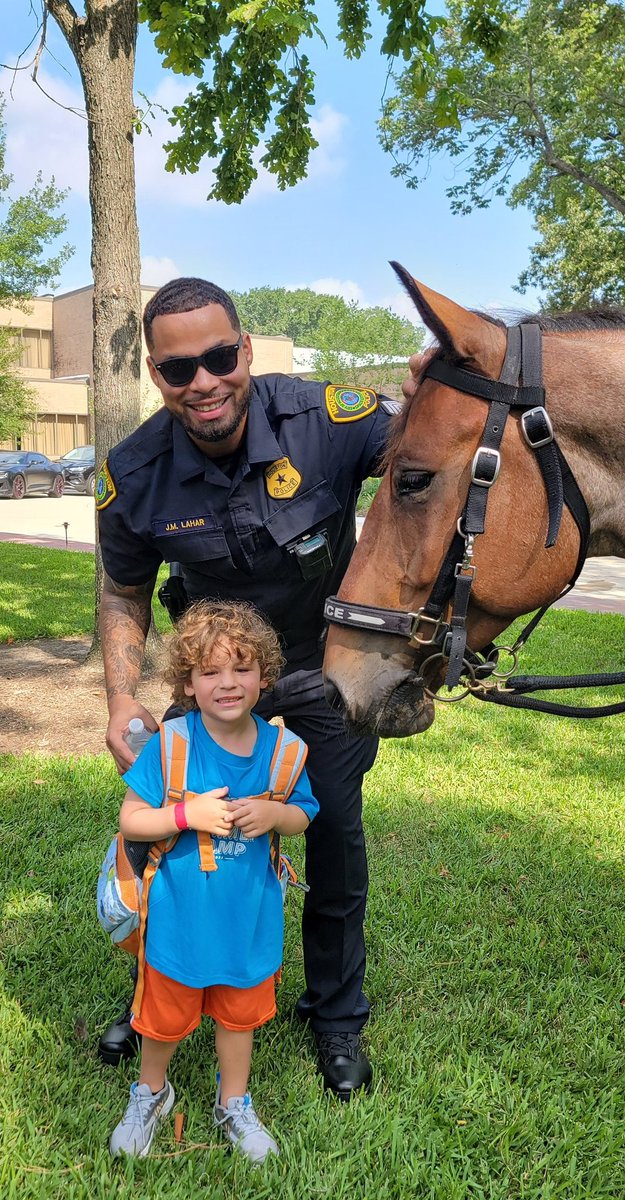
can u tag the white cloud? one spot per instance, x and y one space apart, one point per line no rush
155 184
156 271
325 162
346 288
401 304
328 128
42 135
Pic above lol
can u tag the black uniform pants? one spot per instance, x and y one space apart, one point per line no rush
336 860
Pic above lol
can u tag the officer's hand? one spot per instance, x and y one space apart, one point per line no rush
121 709
255 817
209 812
409 386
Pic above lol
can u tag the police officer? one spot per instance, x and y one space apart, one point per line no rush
250 484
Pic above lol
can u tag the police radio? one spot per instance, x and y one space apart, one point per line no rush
313 554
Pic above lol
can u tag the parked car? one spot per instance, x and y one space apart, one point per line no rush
79 469
27 473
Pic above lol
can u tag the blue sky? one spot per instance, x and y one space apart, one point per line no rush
335 231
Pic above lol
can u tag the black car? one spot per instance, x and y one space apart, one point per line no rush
27 473
79 469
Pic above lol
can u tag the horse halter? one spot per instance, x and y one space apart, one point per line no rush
519 386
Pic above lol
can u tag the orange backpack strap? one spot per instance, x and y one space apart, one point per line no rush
175 745
287 764
156 853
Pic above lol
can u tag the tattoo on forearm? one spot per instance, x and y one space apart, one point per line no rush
124 622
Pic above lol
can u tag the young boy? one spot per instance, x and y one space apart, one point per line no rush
214 939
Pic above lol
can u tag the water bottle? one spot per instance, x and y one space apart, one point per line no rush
135 739
137 735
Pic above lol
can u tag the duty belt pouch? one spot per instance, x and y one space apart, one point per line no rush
173 596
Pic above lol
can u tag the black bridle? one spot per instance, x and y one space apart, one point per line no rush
519 387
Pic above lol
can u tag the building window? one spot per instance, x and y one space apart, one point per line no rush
35 348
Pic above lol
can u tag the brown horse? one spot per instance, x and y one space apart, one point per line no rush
530 546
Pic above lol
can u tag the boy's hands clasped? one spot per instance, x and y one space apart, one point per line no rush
211 812
255 817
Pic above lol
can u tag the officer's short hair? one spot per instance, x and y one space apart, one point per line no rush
185 295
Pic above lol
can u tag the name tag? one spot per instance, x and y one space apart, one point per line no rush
200 524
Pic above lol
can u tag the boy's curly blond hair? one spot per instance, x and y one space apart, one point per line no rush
236 628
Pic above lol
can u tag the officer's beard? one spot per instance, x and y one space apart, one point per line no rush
216 431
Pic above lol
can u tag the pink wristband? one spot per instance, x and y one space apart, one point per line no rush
180 816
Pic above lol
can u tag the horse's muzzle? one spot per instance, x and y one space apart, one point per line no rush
399 710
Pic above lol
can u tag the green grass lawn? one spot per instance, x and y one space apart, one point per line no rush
496 971
63 605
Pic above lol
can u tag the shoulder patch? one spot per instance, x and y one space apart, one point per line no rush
349 404
105 490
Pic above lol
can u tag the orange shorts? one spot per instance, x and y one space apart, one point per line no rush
170 1010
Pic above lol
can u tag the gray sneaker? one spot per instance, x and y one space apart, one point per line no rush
135 1133
242 1126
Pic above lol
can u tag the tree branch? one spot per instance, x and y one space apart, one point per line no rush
66 18
562 167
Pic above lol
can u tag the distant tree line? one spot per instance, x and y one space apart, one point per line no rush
352 344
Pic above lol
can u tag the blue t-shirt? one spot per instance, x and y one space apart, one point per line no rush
223 926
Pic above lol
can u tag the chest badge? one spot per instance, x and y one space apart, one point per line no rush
105 490
282 479
349 404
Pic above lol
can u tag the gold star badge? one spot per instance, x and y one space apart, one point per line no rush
282 479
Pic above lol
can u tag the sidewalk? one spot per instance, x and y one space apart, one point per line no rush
46 522
600 587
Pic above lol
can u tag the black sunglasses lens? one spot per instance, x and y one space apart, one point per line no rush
222 360
178 372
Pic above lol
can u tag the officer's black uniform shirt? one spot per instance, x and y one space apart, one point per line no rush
231 529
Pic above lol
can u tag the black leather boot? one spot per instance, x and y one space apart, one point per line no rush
343 1063
119 1041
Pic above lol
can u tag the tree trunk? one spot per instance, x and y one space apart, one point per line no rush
103 43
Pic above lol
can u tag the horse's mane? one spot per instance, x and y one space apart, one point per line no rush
589 319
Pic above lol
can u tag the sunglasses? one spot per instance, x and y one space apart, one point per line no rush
222 360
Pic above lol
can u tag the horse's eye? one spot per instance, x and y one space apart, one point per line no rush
409 482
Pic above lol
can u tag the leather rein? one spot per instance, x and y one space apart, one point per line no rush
520 387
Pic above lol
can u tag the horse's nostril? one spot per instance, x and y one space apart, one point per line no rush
333 696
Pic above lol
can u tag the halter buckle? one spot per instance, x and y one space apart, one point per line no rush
418 617
541 413
489 474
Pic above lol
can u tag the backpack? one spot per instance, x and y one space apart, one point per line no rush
129 868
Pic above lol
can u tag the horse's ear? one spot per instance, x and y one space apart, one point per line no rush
459 332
